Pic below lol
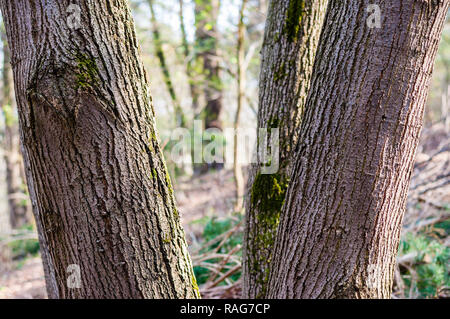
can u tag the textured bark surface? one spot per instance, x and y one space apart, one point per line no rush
340 227
290 41
99 187
19 205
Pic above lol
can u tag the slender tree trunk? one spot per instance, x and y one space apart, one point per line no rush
290 41
191 74
340 227
207 59
445 108
19 206
206 14
445 112
179 114
101 194
241 82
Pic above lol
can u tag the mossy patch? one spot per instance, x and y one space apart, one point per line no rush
167 238
267 198
280 73
87 71
169 183
274 123
294 17
195 285
268 193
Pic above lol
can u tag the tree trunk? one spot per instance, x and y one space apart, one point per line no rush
340 227
179 114
191 74
101 194
241 82
291 37
19 206
206 48
206 14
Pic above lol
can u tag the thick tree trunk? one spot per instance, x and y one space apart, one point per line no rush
99 186
19 205
291 37
340 227
206 14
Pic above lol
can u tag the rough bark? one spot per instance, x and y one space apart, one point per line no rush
340 227
100 191
206 14
290 41
179 114
18 202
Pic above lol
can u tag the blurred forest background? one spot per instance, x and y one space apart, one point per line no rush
195 57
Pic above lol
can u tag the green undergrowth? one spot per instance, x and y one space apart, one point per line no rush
429 273
22 247
214 227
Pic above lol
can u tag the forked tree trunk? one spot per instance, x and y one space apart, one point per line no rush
340 227
100 190
290 41
18 202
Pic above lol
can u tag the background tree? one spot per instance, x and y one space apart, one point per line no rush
208 65
241 82
206 35
189 59
101 194
19 206
340 227
180 118
290 41
443 64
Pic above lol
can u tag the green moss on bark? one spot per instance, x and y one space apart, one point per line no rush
268 193
169 183
87 72
280 73
267 199
294 18
274 123
194 284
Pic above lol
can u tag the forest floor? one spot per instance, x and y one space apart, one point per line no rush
212 195
24 281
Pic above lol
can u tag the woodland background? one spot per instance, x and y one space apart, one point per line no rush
207 200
